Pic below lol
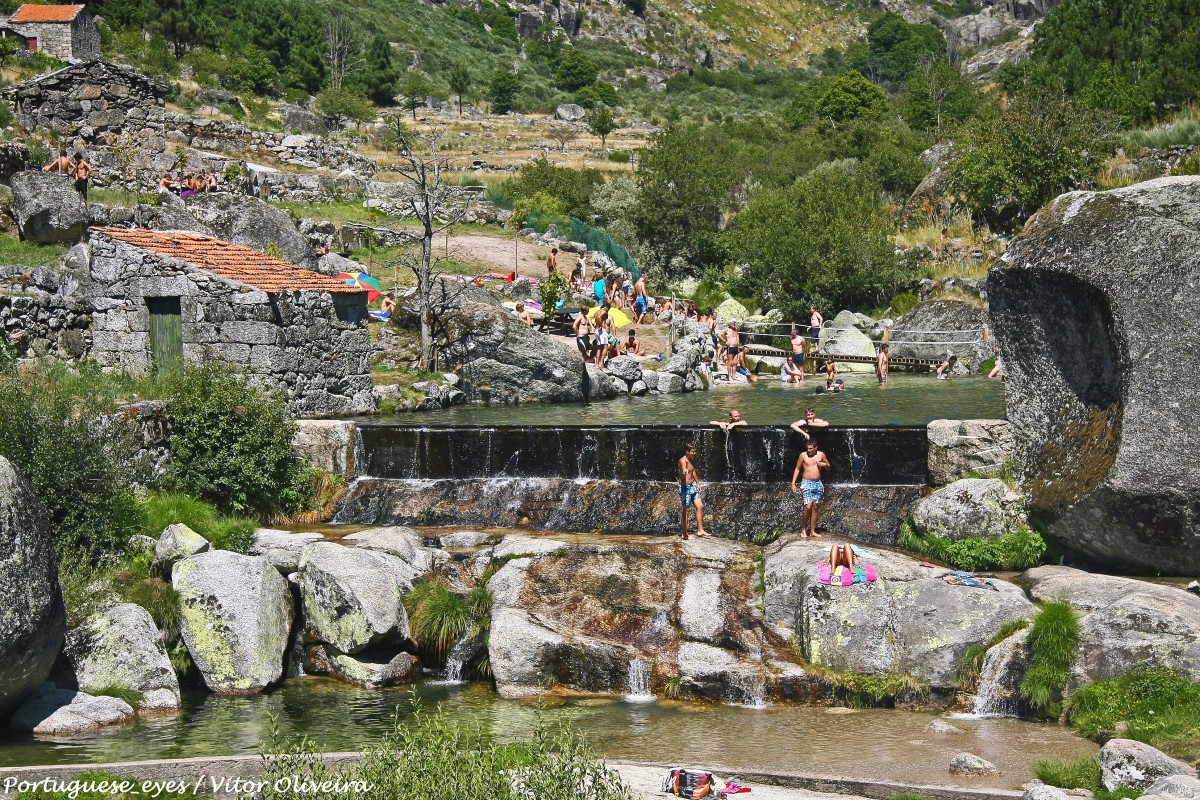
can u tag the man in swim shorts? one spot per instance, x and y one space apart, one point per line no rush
808 467
732 348
689 491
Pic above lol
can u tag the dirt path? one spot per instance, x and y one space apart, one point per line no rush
493 254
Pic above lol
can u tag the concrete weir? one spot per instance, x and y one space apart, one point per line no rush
219 776
622 479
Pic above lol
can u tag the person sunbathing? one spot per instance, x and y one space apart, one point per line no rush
843 555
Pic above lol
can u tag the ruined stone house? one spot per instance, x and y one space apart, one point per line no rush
66 32
161 298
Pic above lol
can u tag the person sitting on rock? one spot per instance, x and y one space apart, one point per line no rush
168 182
576 280
210 181
62 165
741 369
631 347
735 421
523 315
790 373
388 306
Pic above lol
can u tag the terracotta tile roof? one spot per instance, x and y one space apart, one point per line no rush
232 261
31 12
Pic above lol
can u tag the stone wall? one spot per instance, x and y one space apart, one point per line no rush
95 101
45 312
311 345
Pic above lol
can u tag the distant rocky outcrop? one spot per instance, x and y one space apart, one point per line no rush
941 328
1094 306
47 208
842 337
32 618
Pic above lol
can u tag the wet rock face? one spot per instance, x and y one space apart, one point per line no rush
32 618
1094 306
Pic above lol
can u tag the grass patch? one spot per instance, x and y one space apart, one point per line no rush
121 692
1021 549
970 667
223 533
1161 708
1182 129
1081 774
160 600
438 617
14 252
874 691
1007 630
1053 640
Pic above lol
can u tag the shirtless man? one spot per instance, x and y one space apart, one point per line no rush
815 321
523 315
81 172
552 262
811 420
881 364
583 334
631 346
388 306
61 165
641 301
808 467
689 492
732 348
799 349
735 421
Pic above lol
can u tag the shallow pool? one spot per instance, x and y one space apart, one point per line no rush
904 400
871 743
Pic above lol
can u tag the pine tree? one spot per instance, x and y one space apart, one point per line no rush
460 83
379 75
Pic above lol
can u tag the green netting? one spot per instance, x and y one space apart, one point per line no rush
580 231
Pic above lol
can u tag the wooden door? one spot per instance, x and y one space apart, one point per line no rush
166 333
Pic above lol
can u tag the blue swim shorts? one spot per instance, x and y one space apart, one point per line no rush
813 491
689 493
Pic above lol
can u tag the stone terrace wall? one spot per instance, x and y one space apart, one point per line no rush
45 312
95 101
313 346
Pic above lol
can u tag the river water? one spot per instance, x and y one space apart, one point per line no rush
905 400
869 743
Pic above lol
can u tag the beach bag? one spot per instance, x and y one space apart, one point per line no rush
688 783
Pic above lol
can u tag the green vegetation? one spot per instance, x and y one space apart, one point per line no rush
1021 549
1081 774
430 756
970 666
1008 629
1159 707
16 252
1053 640
223 533
438 617
121 692
872 691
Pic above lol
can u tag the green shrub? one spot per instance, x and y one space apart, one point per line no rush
1021 549
970 666
1161 708
903 303
223 533
1053 640
620 157
1007 630
231 442
430 756
1081 774
159 599
869 691
437 617
59 428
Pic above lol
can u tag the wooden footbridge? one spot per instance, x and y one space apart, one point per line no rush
817 358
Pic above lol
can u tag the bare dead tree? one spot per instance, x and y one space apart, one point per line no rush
564 135
436 205
343 51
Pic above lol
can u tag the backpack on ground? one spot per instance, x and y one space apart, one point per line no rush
693 783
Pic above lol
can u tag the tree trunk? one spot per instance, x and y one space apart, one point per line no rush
425 290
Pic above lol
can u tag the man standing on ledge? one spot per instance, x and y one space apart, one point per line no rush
689 491
810 463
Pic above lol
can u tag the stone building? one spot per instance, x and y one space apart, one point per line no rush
66 32
95 101
160 298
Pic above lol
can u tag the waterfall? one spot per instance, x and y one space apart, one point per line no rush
457 659
858 461
1000 678
746 690
639 682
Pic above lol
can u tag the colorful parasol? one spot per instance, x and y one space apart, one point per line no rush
620 318
363 281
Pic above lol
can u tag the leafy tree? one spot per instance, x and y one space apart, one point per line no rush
575 70
8 48
572 187
599 93
839 99
415 88
601 122
378 76
1009 165
547 46
251 70
184 24
1109 91
938 98
502 90
345 103
895 47
824 240
460 83
638 7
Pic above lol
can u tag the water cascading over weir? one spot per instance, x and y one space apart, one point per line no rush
623 479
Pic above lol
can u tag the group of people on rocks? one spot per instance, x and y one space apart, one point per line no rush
809 465
189 184
78 168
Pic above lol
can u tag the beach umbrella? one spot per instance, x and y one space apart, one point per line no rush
620 318
363 281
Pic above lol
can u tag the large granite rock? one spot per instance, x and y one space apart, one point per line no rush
248 221
953 327
1136 765
841 337
503 360
1124 623
32 618
47 208
327 444
65 712
960 448
730 311
969 508
123 646
237 619
352 597
176 543
1175 787
909 621
1094 305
